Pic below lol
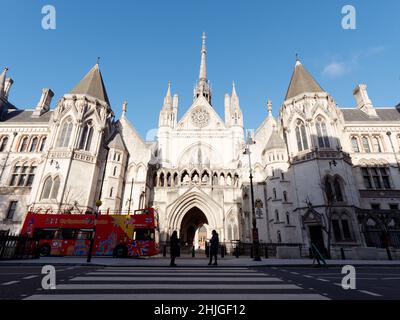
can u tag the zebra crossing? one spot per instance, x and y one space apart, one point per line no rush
181 283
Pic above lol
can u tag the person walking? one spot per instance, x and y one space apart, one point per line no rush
214 243
175 249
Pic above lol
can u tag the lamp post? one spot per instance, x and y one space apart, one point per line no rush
256 242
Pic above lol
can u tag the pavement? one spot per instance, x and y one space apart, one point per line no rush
198 283
188 261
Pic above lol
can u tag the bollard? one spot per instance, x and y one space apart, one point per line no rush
310 253
193 252
266 252
164 252
251 252
207 250
342 254
237 251
222 251
389 254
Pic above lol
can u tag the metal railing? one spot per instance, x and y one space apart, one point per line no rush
18 247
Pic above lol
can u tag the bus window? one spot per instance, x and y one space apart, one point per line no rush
83 235
69 234
144 234
143 211
46 234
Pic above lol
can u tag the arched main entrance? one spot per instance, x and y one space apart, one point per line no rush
193 220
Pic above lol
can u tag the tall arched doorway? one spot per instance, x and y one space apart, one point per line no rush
193 220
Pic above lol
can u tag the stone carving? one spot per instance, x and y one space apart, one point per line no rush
200 118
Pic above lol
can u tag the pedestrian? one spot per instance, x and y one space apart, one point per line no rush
174 248
214 243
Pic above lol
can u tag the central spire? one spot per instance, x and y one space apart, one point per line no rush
203 66
203 85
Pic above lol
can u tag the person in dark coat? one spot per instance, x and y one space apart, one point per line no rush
214 243
174 248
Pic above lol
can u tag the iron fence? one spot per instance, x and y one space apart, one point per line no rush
18 247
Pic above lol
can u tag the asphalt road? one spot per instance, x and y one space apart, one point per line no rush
199 283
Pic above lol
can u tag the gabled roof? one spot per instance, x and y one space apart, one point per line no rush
275 142
117 142
92 85
302 82
384 114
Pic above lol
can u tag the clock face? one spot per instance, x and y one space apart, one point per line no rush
200 117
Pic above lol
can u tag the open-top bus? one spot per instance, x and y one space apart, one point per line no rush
115 235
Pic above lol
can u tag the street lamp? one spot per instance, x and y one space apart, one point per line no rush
256 243
93 236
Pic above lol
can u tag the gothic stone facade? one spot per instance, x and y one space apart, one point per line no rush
322 174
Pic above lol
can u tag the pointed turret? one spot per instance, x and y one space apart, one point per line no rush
233 113
302 82
269 107
203 86
275 141
92 85
124 108
169 111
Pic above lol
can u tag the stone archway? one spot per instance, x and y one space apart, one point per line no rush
192 200
193 220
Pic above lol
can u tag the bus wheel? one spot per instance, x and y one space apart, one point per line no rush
120 252
45 250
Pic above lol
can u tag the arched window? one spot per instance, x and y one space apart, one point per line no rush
287 218
23 144
328 190
169 179
376 145
274 192
365 144
285 198
65 134
277 215
115 171
42 144
3 143
86 137
338 189
301 136
279 236
50 188
111 192
176 180
230 232
235 232
354 145
161 180
54 189
322 133
34 144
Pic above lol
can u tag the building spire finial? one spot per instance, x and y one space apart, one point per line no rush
124 107
203 68
98 61
269 107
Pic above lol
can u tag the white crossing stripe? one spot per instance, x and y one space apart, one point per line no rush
30 277
114 283
9 283
177 279
186 296
169 273
174 286
370 293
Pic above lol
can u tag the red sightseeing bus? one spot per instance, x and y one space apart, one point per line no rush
116 235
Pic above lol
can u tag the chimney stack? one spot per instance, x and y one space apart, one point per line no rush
44 102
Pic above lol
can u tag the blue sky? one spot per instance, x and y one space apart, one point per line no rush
145 44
